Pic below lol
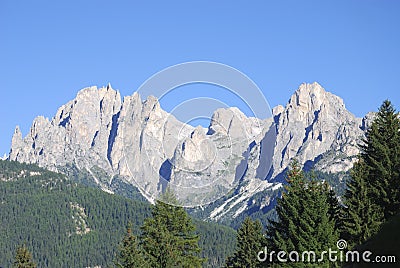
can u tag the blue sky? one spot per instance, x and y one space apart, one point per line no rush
49 50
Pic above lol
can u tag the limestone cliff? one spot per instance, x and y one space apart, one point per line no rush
136 140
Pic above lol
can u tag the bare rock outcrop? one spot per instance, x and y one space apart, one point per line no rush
313 123
138 141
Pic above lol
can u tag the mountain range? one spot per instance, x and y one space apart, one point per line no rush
234 167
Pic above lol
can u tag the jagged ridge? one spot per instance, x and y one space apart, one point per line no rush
97 129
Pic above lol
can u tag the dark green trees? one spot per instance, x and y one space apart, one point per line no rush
381 154
168 239
305 220
363 216
335 208
23 258
130 255
250 241
373 193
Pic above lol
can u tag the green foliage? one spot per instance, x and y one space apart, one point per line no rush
70 225
337 181
118 185
363 216
335 211
130 254
381 154
373 193
250 241
168 237
67 225
385 243
23 258
304 220
216 242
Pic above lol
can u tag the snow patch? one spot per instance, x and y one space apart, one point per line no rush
245 193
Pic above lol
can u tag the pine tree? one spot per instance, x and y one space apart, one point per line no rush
130 255
168 237
250 241
23 258
363 216
381 154
287 209
304 221
373 193
335 208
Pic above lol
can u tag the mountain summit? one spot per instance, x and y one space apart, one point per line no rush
314 123
137 141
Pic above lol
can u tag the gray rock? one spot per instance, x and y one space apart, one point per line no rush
148 147
313 123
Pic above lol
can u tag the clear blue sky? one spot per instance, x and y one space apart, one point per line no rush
51 49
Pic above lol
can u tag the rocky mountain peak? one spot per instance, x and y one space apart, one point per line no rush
17 133
234 123
198 133
136 140
226 120
38 124
16 140
151 102
194 151
80 130
308 96
367 120
277 110
313 98
309 125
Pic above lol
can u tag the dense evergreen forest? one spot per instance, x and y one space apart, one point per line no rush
66 224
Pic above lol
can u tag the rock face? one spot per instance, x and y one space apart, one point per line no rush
148 147
105 136
208 166
313 124
79 133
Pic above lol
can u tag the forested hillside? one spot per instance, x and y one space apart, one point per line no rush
66 224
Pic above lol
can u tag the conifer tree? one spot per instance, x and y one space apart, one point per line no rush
381 154
363 216
23 258
130 255
373 193
304 221
168 237
250 241
335 208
